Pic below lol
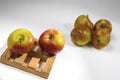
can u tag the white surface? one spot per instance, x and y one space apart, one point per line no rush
73 63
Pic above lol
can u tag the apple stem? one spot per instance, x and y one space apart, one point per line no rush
51 36
21 38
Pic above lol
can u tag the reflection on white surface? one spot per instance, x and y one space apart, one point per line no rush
73 63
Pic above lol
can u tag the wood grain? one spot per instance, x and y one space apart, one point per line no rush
31 66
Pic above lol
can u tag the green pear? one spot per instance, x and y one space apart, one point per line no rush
83 20
101 38
80 35
103 23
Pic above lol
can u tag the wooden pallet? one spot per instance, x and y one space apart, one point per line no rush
36 61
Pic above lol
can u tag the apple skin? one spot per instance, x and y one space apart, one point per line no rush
52 41
20 41
103 23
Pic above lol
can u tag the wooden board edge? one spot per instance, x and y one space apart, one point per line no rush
0 59
23 68
5 60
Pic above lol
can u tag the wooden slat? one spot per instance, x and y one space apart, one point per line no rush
30 62
33 63
6 54
48 64
21 59
38 69
11 60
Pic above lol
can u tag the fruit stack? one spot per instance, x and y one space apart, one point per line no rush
84 32
101 33
27 53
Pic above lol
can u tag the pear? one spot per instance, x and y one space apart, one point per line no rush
83 20
101 38
103 23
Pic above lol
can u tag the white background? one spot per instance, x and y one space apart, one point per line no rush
73 62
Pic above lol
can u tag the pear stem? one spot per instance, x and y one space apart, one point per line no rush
103 25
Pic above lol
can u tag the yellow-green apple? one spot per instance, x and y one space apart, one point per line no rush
83 20
81 35
52 41
20 41
103 23
101 38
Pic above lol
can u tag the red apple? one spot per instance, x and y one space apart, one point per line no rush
52 41
20 41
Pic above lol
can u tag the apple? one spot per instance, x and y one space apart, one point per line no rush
52 41
103 23
20 41
81 35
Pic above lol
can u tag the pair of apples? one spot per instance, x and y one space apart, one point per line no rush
84 32
21 41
